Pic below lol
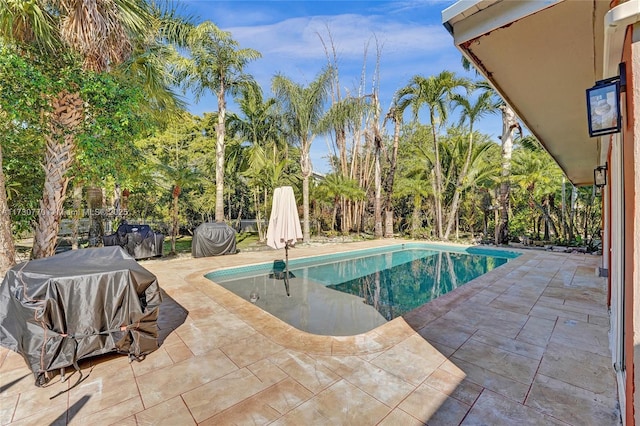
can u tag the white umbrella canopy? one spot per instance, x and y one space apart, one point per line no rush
284 226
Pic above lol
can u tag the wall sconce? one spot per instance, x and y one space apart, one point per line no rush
600 176
603 104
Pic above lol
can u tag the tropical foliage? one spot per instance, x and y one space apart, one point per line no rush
85 110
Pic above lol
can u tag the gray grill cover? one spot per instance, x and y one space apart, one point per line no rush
138 240
77 304
213 239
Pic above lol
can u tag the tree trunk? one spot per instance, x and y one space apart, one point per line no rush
509 125
7 247
75 224
377 204
455 203
174 217
388 187
415 216
438 178
305 166
220 131
60 149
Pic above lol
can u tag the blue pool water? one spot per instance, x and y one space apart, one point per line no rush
351 293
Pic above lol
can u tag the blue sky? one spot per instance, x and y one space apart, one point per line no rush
288 34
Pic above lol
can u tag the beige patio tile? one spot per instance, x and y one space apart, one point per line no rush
341 365
267 372
168 413
251 411
153 361
403 363
307 371
513 304
251 349
18 380
571 404
493 409
582 335
447 332
580 368
340 404
12 361
381 384
434 407
417 345
177 350
454 386
284 396
171 381
516 346
537 331
400 418
310 343
499 361
36 399
7 408
552 312
215 396
99 392
108 416
599 320
55 416
488 379
203 336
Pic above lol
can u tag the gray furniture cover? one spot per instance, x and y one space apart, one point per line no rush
138 240
213 239
58 310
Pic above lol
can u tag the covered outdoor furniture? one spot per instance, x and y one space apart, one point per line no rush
213 239
58 310
138 240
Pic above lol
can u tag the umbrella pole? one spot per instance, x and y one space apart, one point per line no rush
286 268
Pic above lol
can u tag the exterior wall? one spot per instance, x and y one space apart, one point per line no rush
631 159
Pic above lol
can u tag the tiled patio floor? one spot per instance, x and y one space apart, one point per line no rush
524 344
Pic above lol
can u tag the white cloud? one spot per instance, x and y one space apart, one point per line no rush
300 37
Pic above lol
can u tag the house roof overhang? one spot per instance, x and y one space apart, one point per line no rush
541 56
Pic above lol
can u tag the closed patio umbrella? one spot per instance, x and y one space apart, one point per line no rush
284 225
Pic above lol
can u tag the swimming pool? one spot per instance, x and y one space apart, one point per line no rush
354 292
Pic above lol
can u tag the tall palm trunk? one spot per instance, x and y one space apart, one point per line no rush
438 178
388 183
509 125
455 202
7 248
377 204
60 149
305 166
174 217
75 224
220 130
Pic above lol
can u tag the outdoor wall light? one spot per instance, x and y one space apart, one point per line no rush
603 104
600 176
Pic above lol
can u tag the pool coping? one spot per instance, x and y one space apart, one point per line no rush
378 339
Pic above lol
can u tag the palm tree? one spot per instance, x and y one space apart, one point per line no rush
509 126
8 255
394 114
433 92
103 35
471 112
538 176
215 64
304 108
